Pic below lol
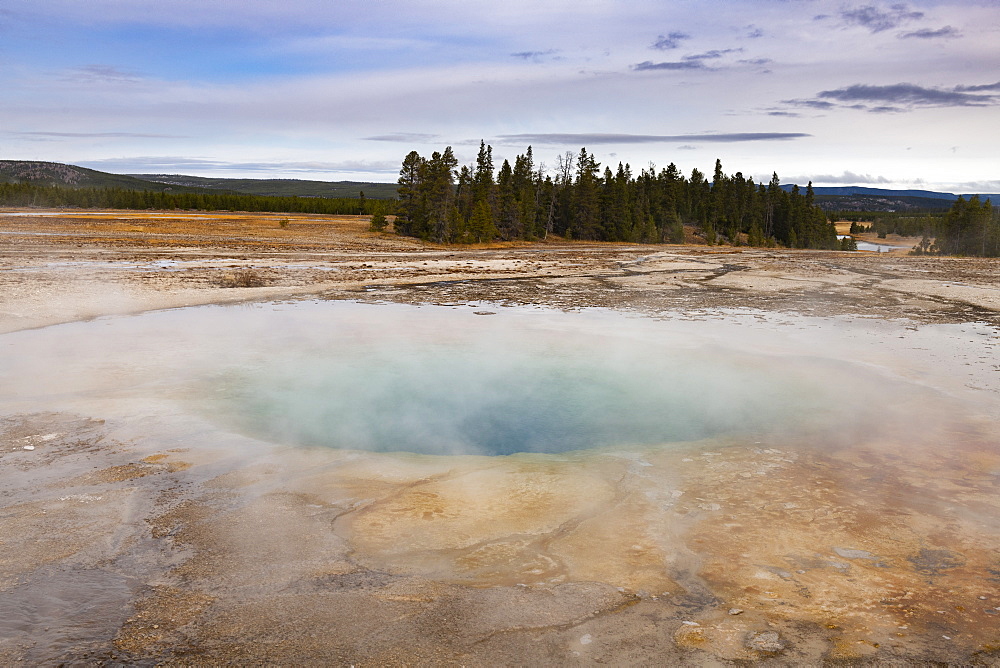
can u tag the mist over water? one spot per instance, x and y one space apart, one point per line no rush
444 381
462 399
507 389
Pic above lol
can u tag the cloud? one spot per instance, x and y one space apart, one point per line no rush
670 65
907 94
174 164
694 61
981 187
946 32
405 137
590 139
900 97
753 32
670 41
711 55
534 55
846 178
876 19
99 135
981 87
811 104
756 61
104 74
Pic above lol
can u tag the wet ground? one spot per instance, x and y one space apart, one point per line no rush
140 527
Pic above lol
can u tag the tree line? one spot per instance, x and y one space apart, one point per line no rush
442 202
970 227
27 194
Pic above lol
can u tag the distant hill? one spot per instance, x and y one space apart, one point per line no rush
883 192
861 198
279 187
57 174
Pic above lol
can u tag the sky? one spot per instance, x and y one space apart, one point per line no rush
881 94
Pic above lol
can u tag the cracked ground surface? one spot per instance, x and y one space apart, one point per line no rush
144 537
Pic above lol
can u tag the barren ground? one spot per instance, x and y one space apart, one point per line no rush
117 548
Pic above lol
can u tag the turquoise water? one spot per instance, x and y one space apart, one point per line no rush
444 381
507 389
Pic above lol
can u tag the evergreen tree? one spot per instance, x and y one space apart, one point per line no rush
378 221
508 212
410 196
585 202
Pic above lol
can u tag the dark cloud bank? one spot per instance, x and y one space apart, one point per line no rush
901 97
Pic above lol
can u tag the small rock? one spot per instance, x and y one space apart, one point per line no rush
586 639
29 447
690 623
765 641
735 611
848 553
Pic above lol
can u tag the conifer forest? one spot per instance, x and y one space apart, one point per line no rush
442 202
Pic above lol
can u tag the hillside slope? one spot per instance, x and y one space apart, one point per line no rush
58 174
279 187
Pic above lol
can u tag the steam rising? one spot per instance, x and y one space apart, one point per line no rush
507 389
442 381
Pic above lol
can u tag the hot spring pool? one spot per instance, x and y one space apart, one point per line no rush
453 381
833 479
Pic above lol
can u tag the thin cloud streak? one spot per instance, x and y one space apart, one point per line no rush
170 164
405 137
585 139
100 135
847 178
711 55
946 32
670 65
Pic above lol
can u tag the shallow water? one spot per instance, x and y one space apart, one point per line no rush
873 247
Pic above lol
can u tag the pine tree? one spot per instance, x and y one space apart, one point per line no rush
378 221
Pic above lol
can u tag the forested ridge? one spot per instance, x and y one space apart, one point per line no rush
438 201
27 194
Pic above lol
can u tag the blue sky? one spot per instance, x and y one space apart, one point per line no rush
886 94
